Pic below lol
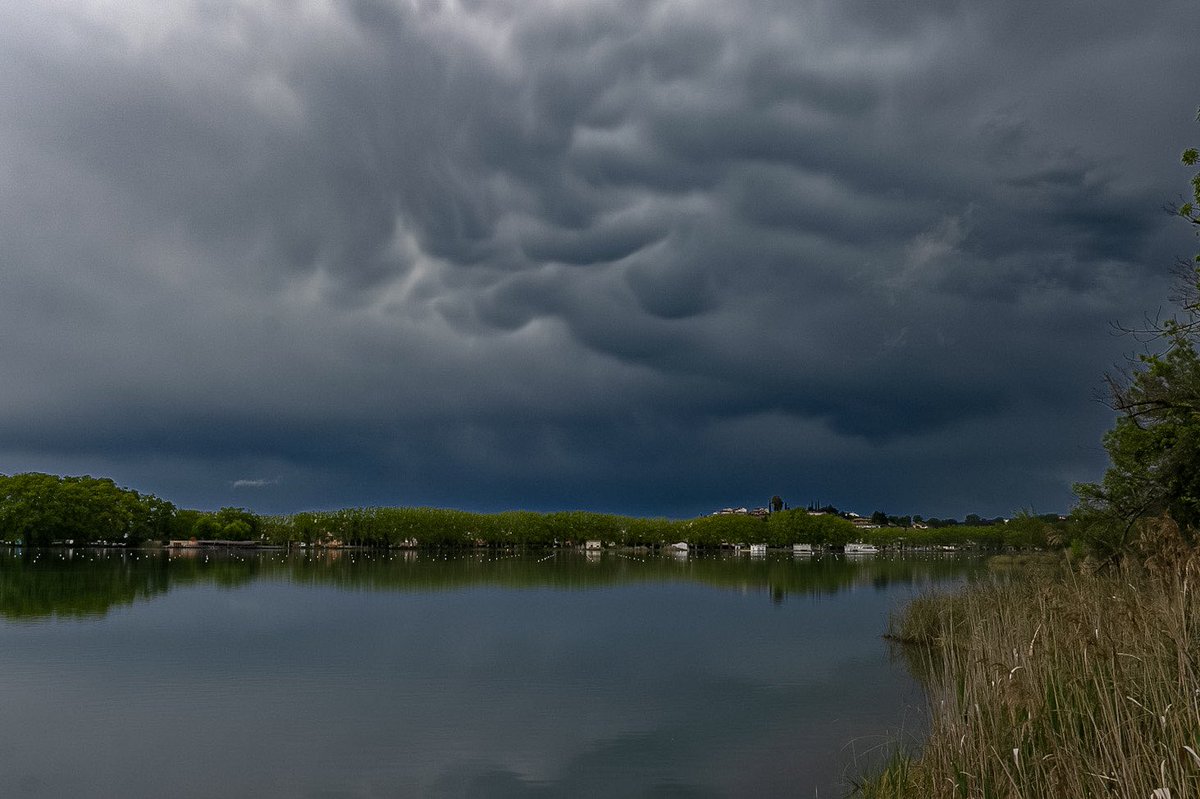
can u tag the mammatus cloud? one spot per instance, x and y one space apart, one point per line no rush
644 256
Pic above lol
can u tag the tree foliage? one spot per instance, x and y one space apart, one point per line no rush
38 509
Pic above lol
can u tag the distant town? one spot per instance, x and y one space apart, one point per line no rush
879 519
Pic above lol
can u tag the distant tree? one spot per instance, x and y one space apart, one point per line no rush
182 523
250 521
40 509
776 503
1027 530
800 527
236 530
159 518
208 527
880 518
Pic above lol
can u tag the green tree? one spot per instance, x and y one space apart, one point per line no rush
40 509
798 527
236 530
238 524
1026 530
207 528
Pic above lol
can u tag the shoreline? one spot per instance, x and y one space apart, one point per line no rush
1053 683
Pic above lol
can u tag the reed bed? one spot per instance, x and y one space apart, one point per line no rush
1057 687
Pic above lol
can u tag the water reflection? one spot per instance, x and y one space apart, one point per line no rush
481 674
80 583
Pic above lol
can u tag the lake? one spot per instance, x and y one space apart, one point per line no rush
398 674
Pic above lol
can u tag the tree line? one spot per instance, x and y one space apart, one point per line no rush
398 527
41 509
392 527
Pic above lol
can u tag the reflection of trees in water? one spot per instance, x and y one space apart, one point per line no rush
73 583
84 582
40 583
567 570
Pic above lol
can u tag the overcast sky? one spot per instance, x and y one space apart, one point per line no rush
644 256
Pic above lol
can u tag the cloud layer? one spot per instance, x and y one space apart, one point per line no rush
645 256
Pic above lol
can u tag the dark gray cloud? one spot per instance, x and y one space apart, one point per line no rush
647 256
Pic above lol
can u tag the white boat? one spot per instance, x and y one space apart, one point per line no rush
759 550
802 549
680 547
859 548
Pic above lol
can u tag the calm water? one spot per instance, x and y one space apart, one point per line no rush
351 675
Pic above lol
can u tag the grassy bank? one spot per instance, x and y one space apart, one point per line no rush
1056 684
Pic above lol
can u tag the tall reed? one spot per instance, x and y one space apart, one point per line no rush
1056 687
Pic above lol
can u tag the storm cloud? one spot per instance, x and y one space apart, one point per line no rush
648 256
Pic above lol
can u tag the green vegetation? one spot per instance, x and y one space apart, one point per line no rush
392 527
435 527
40 509
450 528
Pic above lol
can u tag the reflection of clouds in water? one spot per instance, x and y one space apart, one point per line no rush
376 687
613 767
477 779
770 740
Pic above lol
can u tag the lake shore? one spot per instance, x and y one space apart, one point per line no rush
1055 683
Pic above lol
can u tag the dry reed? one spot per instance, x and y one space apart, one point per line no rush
1054 687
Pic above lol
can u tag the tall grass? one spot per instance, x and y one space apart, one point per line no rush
1057 687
